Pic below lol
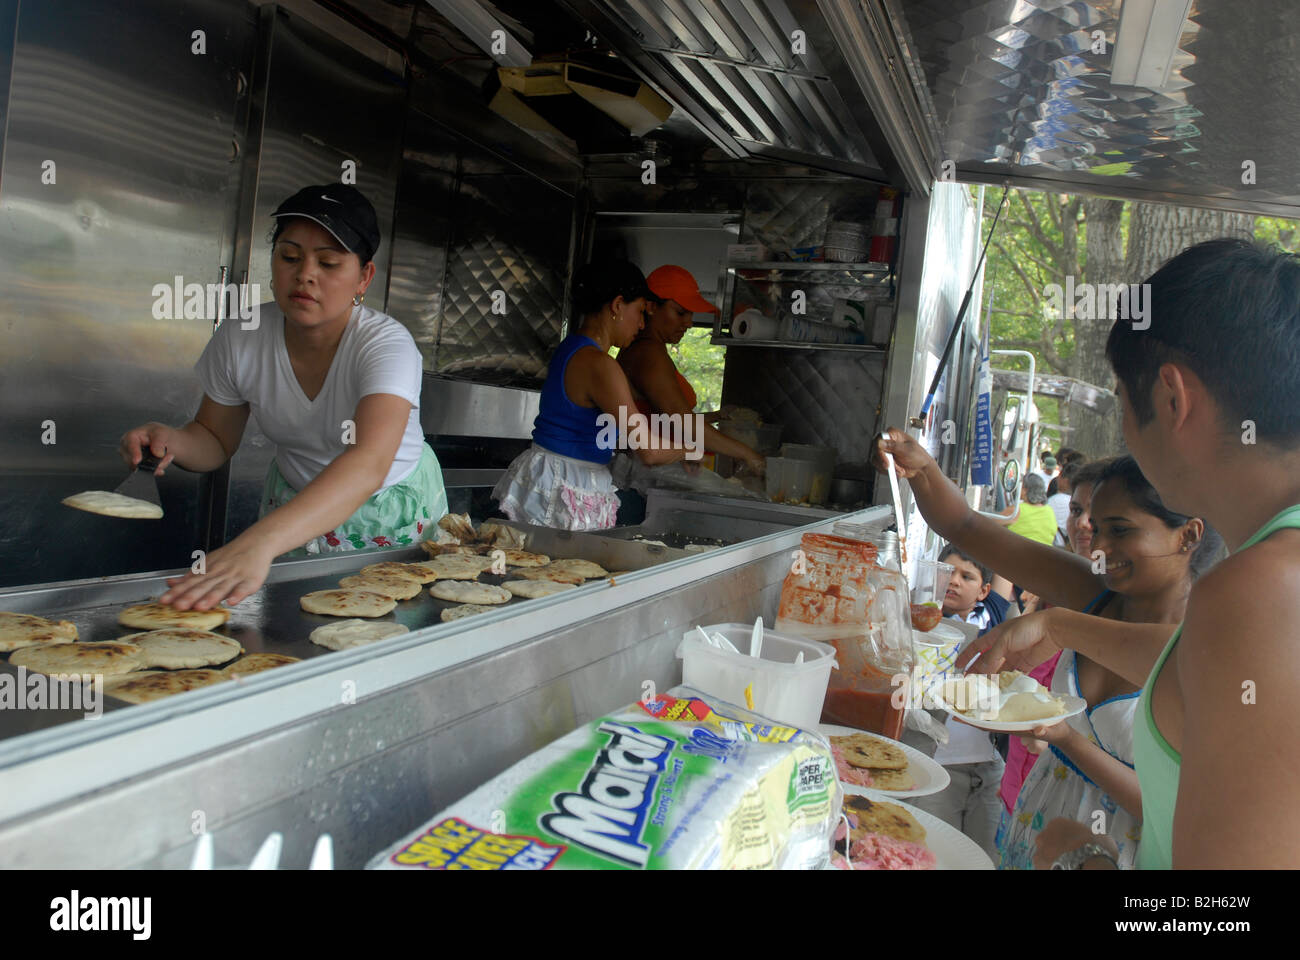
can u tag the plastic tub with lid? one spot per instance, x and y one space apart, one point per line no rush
823 460
783 690
789 480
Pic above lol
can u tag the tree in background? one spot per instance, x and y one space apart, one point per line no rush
701 363
1045 238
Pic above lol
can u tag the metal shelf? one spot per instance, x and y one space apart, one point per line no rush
800 265
797 345
874 275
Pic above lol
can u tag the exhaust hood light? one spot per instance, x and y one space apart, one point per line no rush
1149 33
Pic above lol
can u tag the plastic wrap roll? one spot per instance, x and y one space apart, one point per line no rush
799 330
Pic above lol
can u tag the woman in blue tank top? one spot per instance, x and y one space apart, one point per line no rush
563 479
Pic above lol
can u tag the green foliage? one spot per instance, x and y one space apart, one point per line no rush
701 362
1029 251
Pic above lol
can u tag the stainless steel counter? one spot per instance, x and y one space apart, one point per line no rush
363 743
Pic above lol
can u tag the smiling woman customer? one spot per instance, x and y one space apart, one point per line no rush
336 387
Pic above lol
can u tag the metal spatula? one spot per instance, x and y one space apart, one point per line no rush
142 484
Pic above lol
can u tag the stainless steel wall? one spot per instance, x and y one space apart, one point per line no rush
325 105
112 182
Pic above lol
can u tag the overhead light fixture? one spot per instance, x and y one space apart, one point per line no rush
1149 32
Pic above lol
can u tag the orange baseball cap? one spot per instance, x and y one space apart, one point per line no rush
676 283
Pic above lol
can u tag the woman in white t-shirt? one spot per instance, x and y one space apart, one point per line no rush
334 384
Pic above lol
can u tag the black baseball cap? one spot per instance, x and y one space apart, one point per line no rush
342 210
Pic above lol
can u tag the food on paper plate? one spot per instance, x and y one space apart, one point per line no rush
18 630
883 817
875 851
80 658
864 750
154 685
1010 698
175 648
259 662
113 505
155 616
390 585
893 780
926 616
347 634
347 603
678 782
847 772
458 591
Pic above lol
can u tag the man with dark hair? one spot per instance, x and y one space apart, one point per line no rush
1208 384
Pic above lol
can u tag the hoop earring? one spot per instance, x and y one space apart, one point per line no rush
357 301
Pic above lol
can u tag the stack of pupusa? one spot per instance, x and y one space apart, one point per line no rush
1011 698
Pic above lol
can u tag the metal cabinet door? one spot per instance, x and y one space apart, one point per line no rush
118 176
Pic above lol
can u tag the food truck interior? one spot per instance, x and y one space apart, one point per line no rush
504 144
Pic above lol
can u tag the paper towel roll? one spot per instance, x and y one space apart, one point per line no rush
753 325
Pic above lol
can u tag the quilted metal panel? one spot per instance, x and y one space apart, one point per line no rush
511 235
469 225
784 214
1017 86
822 397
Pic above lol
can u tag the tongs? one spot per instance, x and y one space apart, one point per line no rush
141 483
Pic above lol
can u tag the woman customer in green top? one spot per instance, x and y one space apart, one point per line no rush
1207 383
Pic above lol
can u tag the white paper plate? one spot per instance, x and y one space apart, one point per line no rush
929 776
1073 707
943 633
952 849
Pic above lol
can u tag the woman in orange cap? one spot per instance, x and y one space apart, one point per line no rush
657 386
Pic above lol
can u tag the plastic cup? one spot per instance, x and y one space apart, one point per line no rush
929 587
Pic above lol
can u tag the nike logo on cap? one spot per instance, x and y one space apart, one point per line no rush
330 199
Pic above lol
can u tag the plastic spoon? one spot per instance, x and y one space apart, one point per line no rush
268 857
322 858
722 643
898 504
756 638
203 858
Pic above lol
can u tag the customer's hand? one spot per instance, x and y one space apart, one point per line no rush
1061 836
1020 643
909 456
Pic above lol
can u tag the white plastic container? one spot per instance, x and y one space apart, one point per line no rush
783 690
